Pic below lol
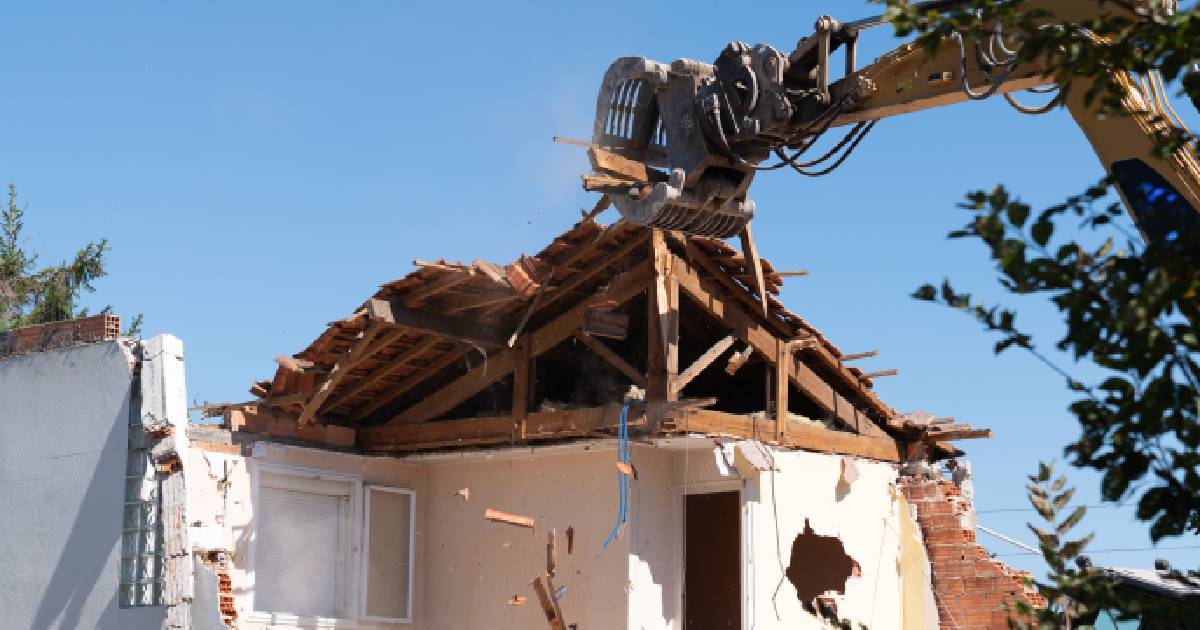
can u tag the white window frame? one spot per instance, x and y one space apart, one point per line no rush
355 599
284 618
366 551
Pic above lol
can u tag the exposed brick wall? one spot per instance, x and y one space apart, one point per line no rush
970 586
62 334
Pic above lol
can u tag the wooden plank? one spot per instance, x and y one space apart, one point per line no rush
621 253
522 374
960 434
798 436
750 330
783 373
447 281
496 516
500 365
699 365
391 366
384 398
750 250
474 381
547 604
393 311
880 373
612 358
355 354
491 430
859 355
617 166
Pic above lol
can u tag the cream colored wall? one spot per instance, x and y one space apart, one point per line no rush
467 568
473 567
226 518
865 519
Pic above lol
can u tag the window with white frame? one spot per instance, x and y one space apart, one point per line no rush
327 546
387 588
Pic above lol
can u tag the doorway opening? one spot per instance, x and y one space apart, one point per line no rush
712 561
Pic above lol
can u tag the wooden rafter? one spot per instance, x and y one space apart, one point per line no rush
358 351
445 282
384 398
392 311
387 369
699 365
621 252
754 263
612 358
750 330
500 365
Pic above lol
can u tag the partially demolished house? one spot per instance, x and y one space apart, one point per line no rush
626 430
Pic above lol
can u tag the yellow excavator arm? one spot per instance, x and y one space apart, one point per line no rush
677 145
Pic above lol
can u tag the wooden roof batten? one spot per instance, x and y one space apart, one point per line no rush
419 329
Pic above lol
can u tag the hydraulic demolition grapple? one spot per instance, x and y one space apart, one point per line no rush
676 145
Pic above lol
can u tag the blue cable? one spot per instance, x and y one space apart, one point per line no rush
622 481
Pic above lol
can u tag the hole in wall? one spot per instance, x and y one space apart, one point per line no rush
818 564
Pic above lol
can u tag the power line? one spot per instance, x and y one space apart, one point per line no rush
1088 552
1029 509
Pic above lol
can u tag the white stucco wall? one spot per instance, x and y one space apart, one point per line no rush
64 419
467 568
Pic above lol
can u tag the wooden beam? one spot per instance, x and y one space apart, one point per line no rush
783 373
522 376
382 399
959 434
393 311
859 355
698 366
662 325
750 251
880 373
355 354
491 370
738 293
395 363
613 359
800 436
618 166
489 430
750 330
500 365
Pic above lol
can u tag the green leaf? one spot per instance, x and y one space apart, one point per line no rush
1041 231
1071 521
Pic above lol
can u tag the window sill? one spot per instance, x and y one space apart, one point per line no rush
299 621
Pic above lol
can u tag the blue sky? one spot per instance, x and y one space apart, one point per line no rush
259 168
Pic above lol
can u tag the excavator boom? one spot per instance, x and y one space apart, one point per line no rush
677 145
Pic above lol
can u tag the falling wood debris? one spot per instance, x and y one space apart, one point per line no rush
497 516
